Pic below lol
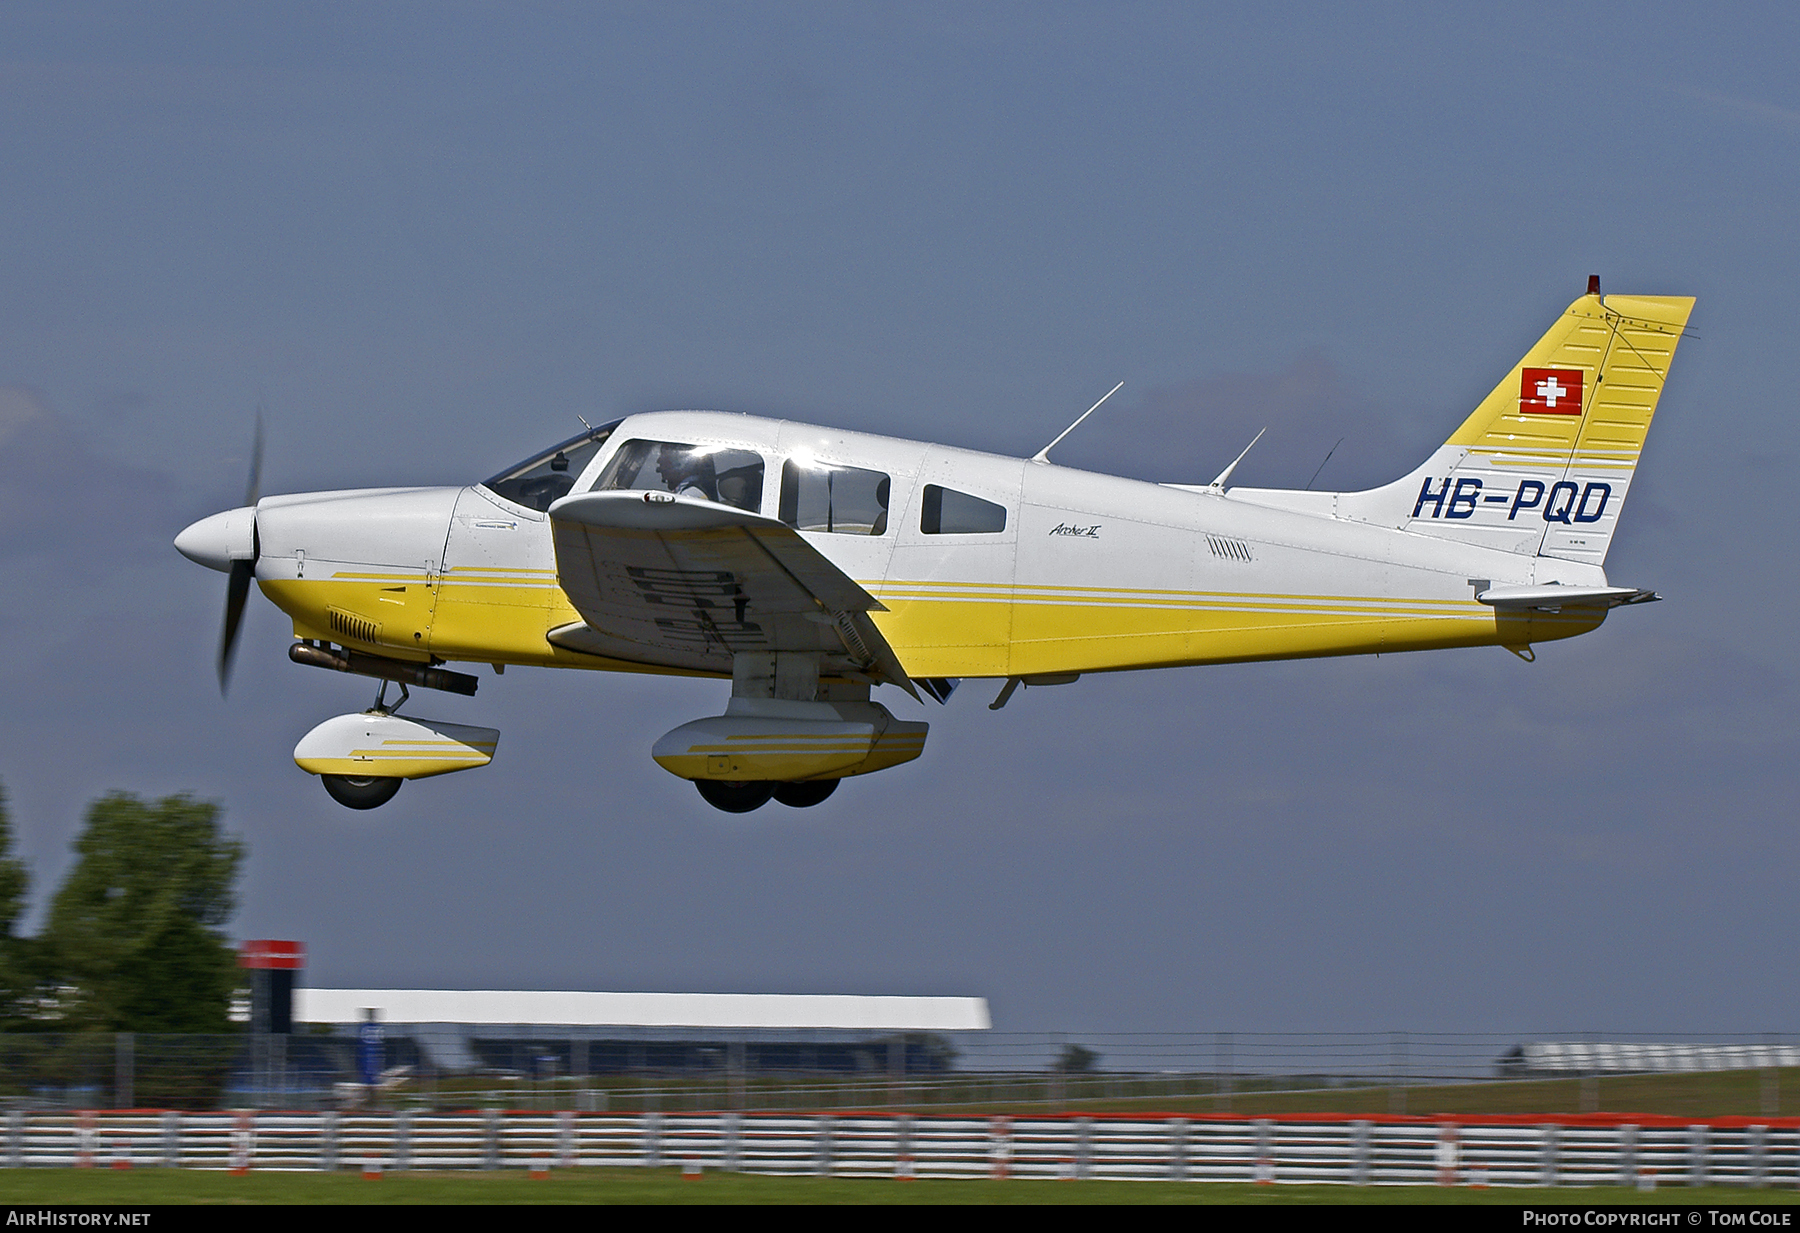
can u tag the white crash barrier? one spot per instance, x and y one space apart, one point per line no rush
1576 1150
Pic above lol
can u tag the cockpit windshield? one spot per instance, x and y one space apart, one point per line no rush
544 477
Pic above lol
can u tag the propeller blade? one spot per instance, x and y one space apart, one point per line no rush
237 590
243 573
253 489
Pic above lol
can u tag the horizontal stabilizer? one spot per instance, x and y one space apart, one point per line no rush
1553 597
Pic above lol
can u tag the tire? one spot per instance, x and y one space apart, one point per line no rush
733 796
361 791
805 794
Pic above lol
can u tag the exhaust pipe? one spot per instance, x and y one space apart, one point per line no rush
342 659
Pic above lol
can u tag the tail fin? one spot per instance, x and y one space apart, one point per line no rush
1542 466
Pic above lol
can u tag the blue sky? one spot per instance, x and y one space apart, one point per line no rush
425 237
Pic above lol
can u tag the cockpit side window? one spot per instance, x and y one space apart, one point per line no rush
541 479
713 472
820 496
945 511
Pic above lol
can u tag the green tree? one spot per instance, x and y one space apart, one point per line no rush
133 936
16 979
1076 1060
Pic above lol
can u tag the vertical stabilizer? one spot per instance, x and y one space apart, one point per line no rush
1543 465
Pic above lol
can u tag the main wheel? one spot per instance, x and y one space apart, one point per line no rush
361 791
806 793
735 796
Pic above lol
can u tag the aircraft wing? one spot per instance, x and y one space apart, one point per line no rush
682 582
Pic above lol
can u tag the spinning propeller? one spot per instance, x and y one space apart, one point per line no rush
243 569
229 543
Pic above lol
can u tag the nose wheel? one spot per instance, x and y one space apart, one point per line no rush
362 791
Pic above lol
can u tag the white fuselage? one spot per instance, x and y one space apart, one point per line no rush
1088 573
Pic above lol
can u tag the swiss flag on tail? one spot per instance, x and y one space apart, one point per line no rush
1550 391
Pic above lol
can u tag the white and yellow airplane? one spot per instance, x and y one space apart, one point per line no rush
808 565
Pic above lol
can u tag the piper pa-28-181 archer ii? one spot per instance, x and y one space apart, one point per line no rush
808 565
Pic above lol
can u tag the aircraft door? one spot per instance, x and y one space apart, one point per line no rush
498 584
949 587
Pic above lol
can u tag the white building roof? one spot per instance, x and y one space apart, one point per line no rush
698 1010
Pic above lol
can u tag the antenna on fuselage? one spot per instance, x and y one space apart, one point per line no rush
1218 485
1043 455
1321 467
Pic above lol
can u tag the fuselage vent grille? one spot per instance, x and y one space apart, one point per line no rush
356 628
1231 549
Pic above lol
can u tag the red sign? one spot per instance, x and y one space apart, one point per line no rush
1550 391
265 953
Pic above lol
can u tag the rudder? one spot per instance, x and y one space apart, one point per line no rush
1543 464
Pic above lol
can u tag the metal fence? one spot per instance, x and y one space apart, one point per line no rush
450 1067
1593 1150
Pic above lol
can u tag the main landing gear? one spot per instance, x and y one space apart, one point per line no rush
742 796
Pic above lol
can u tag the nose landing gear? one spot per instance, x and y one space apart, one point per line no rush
361 791
362 759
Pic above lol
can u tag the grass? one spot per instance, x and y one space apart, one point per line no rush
596 1186
1722 1093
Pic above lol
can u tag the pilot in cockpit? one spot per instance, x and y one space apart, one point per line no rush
686 471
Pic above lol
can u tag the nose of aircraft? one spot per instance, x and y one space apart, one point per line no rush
218 540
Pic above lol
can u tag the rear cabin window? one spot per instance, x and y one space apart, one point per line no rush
945 511
817 496
728 476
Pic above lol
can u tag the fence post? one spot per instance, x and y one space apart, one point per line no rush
402 1131
1628 1155
904 1165
1359 1152
1084 1147
822 1145
1264 1168
1000 1147
243 1141
1697 1151
328 1141
734 1126
170 1124
1178 1149
565 1139
1448 1154
123 1051
1547 1171
15 1139
653 1139
1759 1157
490 1140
